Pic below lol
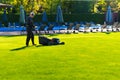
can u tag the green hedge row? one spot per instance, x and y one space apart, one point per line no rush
97 18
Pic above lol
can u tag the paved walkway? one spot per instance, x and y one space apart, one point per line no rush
12 33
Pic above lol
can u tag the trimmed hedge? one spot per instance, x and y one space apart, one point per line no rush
97 18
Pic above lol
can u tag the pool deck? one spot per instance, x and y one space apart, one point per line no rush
12 33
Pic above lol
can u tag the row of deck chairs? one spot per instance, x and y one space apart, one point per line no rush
78 27
69 27
115 27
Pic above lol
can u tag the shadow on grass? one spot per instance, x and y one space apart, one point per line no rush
20 48
107 32
86 32
50 45
44 45
23 47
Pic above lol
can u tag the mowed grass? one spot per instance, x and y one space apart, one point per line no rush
85 56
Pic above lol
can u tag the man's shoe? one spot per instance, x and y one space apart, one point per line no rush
34 44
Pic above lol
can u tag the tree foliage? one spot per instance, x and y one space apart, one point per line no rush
101 5
50 6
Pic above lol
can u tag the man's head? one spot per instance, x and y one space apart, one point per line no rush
32 14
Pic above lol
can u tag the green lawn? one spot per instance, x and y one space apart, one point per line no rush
85 56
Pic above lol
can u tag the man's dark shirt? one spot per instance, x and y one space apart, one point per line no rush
29 24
